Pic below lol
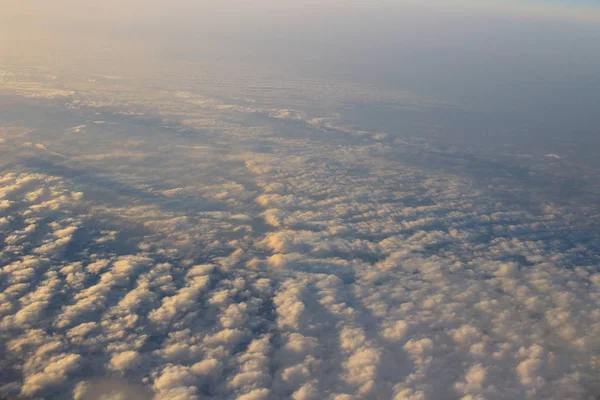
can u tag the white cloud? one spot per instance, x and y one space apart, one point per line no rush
53 374
124 361
179 303
256 394
316 263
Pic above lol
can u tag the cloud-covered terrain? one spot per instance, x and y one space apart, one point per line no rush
178 244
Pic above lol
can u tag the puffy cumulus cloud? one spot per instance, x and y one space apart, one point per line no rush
318 244
290 307
34 304
175 382
124 361
184 300
395 331
208 367
361 369
473 381
316 261
109 389
256 394
53 374
252 379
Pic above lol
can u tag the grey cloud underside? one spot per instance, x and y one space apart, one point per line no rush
183 247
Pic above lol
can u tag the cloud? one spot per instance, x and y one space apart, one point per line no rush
256 252
179 303
54 373
124 361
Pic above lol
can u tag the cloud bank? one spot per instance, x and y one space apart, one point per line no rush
202 249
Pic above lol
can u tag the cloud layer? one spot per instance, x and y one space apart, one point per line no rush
196 248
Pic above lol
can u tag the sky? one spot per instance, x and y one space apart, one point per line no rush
337 200
491 55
